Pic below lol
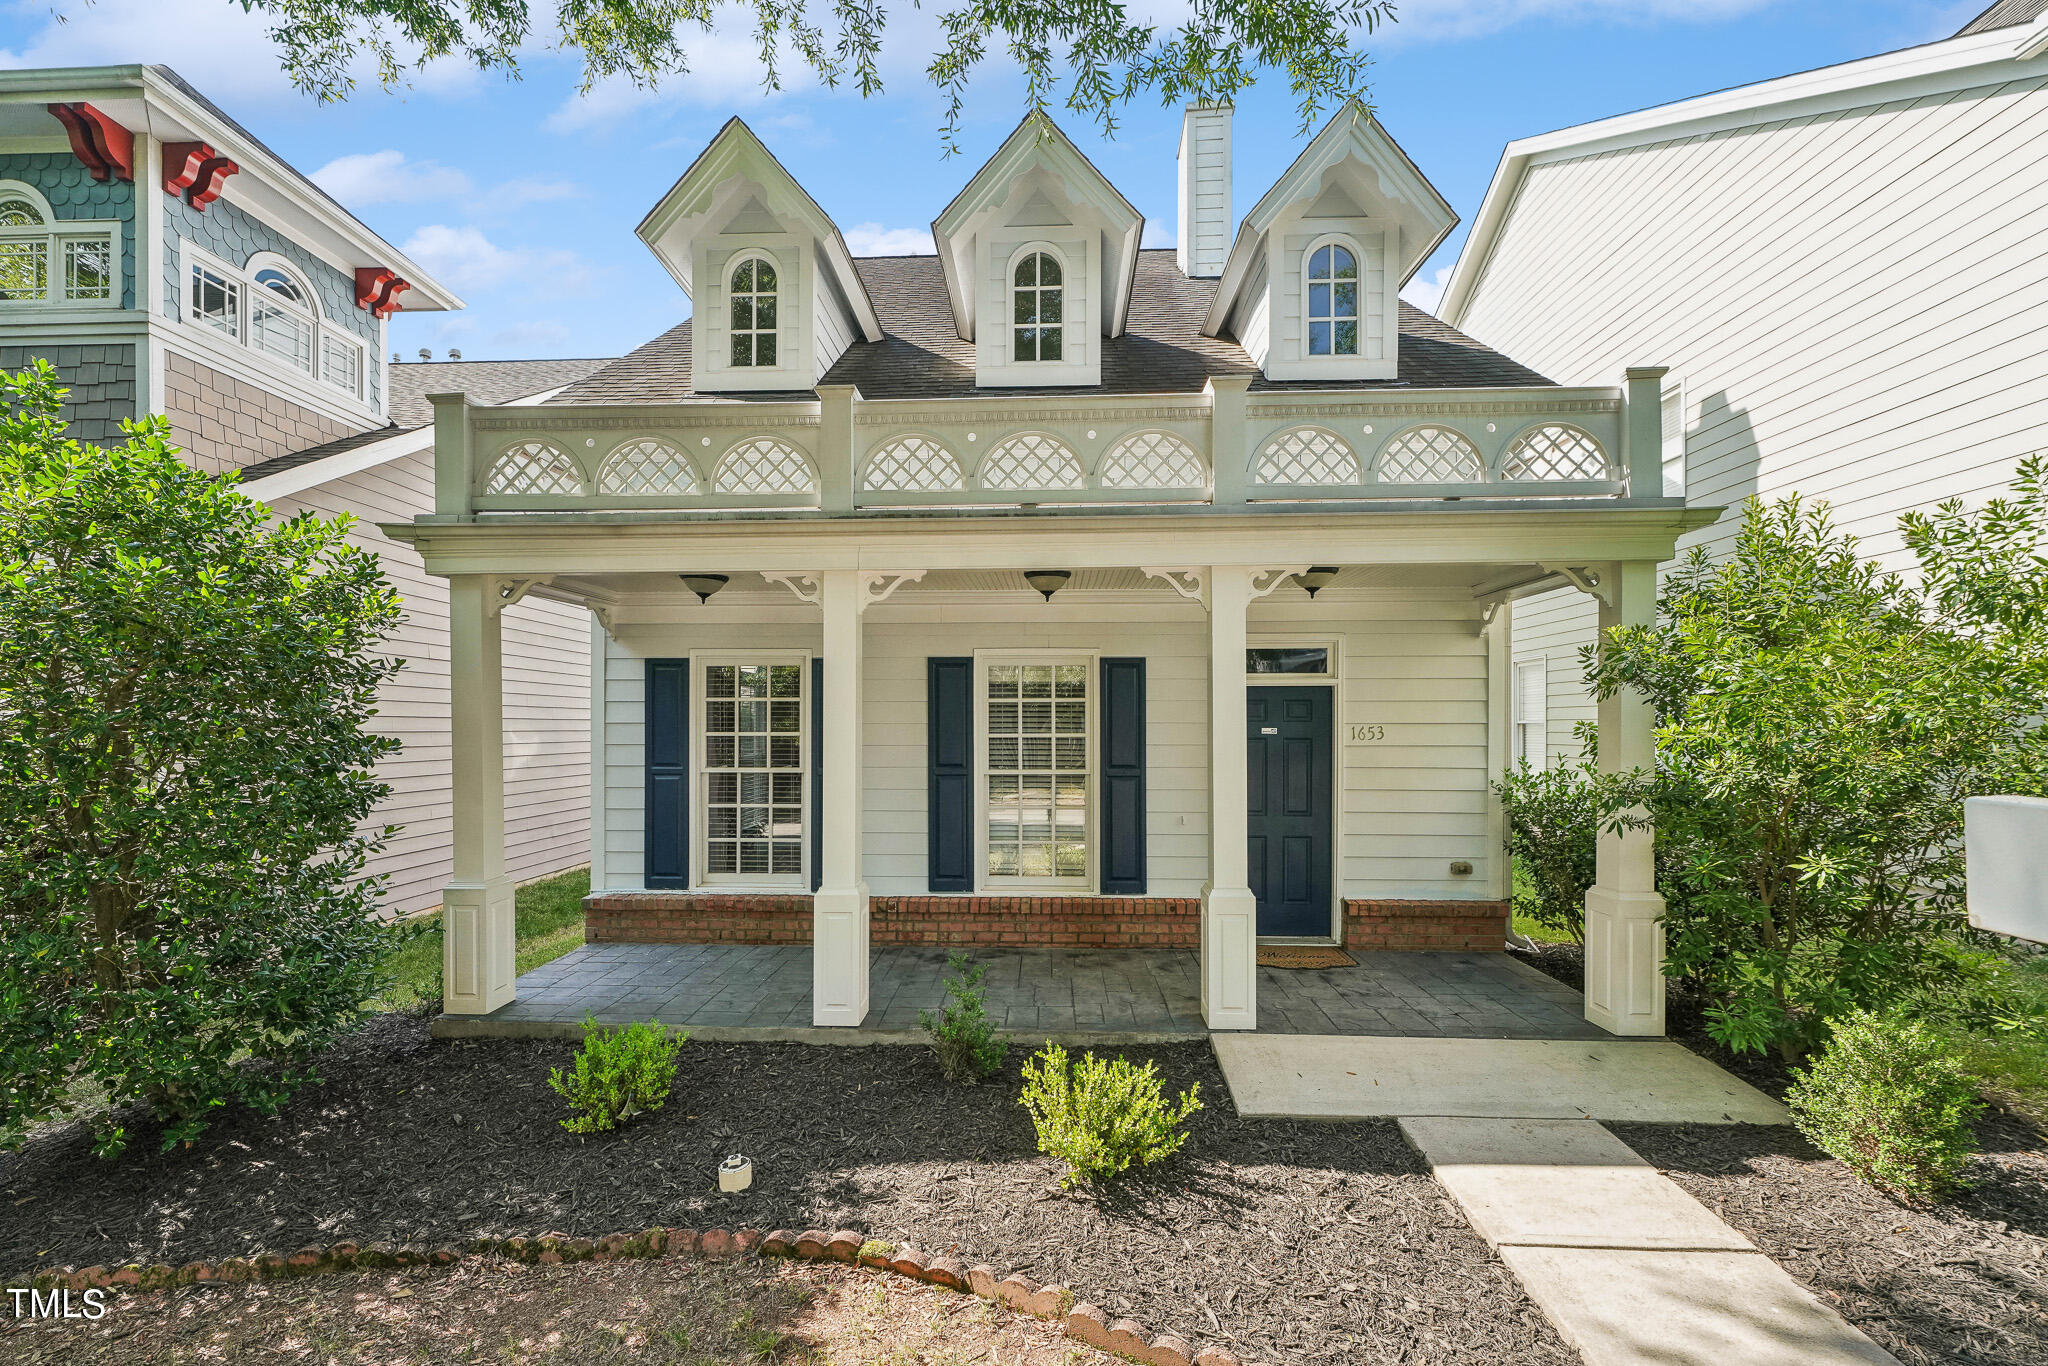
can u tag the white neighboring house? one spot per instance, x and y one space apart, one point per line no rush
1844 271
1046 590
165 261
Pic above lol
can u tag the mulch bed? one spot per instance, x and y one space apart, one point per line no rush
1283 1242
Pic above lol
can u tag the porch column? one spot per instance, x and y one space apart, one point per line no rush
839 908
476 905
1624 929
1230 914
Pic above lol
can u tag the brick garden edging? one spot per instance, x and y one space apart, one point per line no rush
1081 1321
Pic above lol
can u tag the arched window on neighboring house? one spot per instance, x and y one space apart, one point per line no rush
753 312
47 260
1333 300
282 316
1038 313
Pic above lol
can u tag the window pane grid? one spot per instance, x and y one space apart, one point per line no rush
1038 308
216 301
1333 302
754 769
1037 770
88 268
753 313
24 270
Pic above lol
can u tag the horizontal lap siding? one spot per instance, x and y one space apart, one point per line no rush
1552 627
1409 805
547 700
1851 299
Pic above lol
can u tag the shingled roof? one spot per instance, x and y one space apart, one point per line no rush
1162 350
2005 14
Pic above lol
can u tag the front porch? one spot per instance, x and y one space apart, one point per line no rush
762 992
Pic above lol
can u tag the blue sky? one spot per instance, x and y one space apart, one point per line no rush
522 196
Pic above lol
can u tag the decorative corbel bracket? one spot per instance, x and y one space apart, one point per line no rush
1280 575
806 586
1585 580
101 145
378 288
1192 584
195 172
509 592
606 614
877 584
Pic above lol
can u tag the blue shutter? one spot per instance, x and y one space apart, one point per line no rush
1123 776
949 750
817 771
667 836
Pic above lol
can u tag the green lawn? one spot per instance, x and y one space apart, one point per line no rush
549 918
1525 924
2013 1063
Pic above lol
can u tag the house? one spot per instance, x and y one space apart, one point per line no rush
1843 271
1048 590
165 261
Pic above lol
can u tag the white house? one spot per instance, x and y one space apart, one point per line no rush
1048 590
165 261
1844 271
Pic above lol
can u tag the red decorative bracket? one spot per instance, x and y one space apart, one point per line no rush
103 146
194 171
378 288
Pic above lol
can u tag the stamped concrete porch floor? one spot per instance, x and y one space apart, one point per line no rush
746 992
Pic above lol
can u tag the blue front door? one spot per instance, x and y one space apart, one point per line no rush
1288 749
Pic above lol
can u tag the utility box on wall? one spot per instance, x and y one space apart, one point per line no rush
2006 842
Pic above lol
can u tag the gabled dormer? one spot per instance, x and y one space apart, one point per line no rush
775 296
1038 253
1312 284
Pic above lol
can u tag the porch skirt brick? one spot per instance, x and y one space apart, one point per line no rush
1462 926
1107 922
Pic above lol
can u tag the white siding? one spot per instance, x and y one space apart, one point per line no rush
1855 302
1409 804
547 697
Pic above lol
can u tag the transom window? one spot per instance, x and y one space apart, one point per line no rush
44 259
753 312
1333 301
272 309
754 770
1038 292
1037 772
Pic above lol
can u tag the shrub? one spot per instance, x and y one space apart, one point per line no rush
1102 1116
961 1032
619 1073
1553 819
187 684
1892 1102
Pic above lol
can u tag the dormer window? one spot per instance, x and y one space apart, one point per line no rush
270 305
281 318
1333 301
1039 307
753 312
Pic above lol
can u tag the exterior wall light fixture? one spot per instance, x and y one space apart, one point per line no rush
1316 579
704 585
1048 581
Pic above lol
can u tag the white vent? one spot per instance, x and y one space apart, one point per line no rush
1204 190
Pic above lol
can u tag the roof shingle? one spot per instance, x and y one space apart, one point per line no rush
2004 14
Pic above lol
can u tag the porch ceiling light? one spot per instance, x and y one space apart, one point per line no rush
1048 581
704 585
1316 579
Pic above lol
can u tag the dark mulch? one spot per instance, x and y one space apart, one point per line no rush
1285 1242
1964 1282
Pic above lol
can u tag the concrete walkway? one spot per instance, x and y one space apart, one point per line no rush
1628 1267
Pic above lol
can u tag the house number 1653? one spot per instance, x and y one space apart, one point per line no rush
1361 733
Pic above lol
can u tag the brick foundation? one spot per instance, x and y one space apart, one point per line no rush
1464 926
1114 922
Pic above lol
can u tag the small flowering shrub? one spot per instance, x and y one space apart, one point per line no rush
620 1073
1102 1116
1891 1101
961 1032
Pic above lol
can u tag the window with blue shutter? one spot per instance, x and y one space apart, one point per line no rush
949 751
667 836
1123 776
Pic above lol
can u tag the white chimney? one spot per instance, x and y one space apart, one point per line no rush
1204 189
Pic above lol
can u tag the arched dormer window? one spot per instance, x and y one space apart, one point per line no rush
1332 300
1038 312
753 312
283 318
47 260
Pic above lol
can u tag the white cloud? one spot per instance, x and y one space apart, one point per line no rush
1158 233
388 177
531 334
514 194
872 239
465 260
1426 292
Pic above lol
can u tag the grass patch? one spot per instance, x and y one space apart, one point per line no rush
548 922
1526 925
2012 1064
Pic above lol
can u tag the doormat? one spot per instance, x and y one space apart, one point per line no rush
1291 956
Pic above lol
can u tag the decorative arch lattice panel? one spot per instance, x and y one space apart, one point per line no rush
912 464
1152 460
647 467
1307 455
764 465
1031 460
1554 451
534 467
1431 455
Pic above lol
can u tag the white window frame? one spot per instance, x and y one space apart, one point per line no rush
1672 438
1010 288
56 234
242 340
305 311
732 266
1344 240
1086 884
1524 724
701 876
